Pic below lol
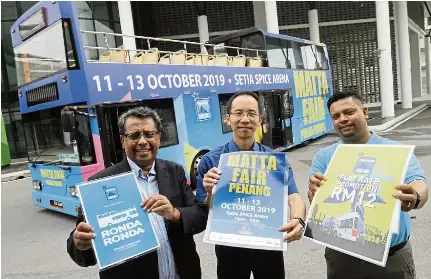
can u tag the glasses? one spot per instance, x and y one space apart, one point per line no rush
240 114
148 135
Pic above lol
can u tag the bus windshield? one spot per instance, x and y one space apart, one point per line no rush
44 54
51 145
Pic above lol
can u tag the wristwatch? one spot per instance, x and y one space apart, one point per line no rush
418 201
301 221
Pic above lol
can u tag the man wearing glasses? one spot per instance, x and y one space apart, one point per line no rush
173 210
238 263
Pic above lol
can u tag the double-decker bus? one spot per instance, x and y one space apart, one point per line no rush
78 82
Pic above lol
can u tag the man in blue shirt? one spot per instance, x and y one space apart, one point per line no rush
238 263
349 117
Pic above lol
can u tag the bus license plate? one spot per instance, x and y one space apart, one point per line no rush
56 204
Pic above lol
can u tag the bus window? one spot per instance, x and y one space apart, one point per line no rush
287 102
166 111
295 56
277 53
43 55
309 57
71 58
321 58
223 99
313 57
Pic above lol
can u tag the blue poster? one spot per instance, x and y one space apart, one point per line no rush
250 201
112 206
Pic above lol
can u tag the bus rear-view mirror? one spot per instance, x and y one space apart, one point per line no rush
68 120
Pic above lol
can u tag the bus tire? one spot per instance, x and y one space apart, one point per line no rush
194 169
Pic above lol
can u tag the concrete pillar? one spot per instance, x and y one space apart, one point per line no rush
126 23
428 63
404 48
415 66
385 60
204 34
313 21
265 15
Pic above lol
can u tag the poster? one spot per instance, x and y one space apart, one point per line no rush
112 206
250 201
353 212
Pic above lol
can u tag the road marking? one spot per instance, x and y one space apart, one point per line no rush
15 180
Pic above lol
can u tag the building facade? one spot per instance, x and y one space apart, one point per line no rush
349 29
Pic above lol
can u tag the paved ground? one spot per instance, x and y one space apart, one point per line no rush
34 240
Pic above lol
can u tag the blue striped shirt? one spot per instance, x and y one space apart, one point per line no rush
148 186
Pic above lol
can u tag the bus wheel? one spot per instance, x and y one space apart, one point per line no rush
194 169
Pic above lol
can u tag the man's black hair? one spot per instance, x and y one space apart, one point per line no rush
343 95
139 112
252 94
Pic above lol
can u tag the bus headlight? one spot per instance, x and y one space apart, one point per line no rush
73 191
37 185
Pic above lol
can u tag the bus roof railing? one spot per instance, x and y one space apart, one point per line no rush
149 39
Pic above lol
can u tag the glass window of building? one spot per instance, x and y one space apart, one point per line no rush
100 17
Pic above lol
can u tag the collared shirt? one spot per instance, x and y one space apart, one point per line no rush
414 172
211 159
148 186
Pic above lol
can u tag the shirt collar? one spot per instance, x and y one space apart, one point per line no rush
137 169
373 138
234 148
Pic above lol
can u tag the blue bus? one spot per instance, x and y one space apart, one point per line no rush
78 82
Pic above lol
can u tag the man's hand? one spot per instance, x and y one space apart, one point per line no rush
294 230
314 183
162 206
210 180
408 196
82 236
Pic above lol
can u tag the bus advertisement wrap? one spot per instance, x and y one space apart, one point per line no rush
250 201
91 83
353 211
122 227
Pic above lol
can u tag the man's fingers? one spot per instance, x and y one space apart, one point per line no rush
310 196
405 197
84 227
406 189
83 235
150 201
289 226
315 181
320 176
295 233
211 175
215 170
210 180
156 204
314 187
161 209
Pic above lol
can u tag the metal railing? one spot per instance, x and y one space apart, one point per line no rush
150 39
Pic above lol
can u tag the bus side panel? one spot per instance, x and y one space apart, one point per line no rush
55 187
311 118
204 121
72 91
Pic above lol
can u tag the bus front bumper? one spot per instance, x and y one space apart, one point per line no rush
66 205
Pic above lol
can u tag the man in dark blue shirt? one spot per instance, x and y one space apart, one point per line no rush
238 263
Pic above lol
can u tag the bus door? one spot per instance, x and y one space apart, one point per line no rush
277 112
108 115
